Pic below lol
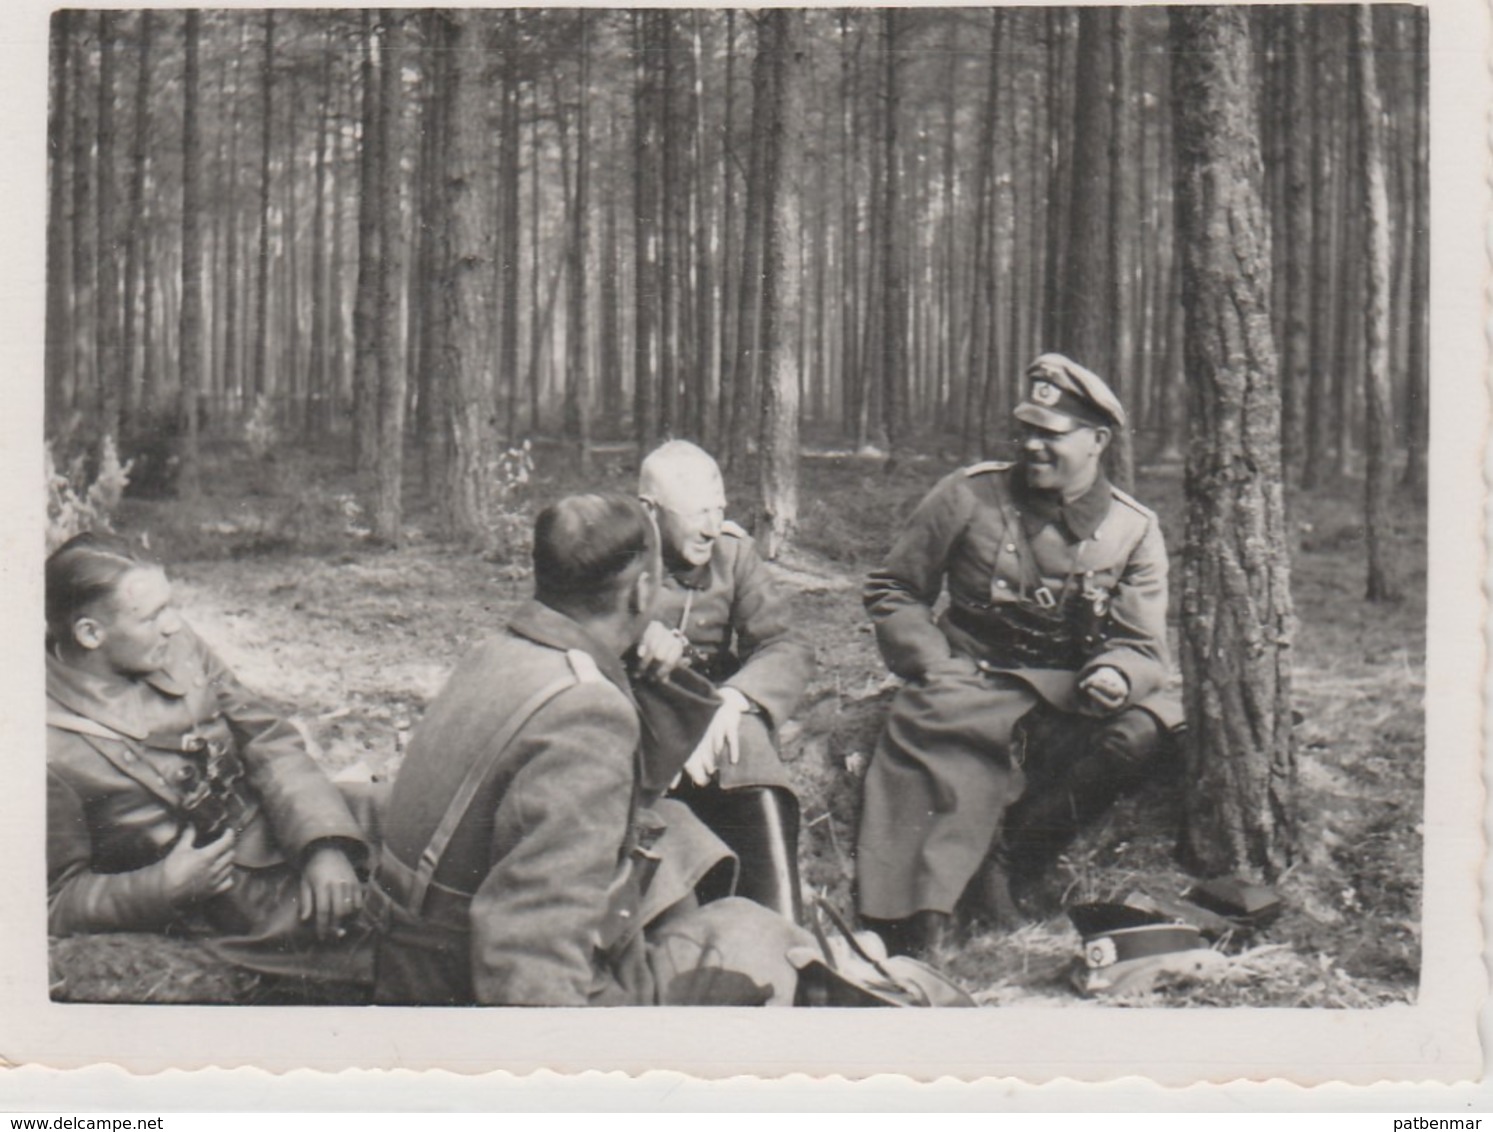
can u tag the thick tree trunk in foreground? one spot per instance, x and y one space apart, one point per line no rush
1373 204
781 308
1237 621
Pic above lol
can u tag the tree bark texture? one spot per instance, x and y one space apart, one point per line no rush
1237 621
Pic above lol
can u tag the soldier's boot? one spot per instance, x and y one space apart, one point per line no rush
760 823
1045 822
930 932
992 894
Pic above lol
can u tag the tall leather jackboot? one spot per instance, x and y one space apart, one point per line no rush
760 825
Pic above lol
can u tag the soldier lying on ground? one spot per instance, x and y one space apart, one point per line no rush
720 613
179 802
1036 697
521 865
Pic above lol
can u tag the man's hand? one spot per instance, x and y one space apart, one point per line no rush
330 891
1106 688
192 873
723 734
660 651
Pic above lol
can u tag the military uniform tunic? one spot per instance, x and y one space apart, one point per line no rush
1040 593
117 768
741 634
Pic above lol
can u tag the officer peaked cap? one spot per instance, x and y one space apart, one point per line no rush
1063 395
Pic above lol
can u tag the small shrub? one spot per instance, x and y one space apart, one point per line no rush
511 526
260 432
78 502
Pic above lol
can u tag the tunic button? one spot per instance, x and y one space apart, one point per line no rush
129 756
1088 573
1010 548
1000 583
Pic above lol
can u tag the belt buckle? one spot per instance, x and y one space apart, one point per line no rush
1043 597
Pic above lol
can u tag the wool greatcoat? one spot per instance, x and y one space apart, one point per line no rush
119 760
1040 593
549 871
742 635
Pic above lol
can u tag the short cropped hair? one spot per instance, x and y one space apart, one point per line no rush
588 548
82 572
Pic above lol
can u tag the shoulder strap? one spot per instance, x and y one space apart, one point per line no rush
430 859
65 720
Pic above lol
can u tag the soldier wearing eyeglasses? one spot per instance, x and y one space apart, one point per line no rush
721 613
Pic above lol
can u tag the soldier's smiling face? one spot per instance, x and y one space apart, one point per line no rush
1067 462
691 508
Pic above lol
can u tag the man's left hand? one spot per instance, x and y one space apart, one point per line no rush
723 734
330 891
1106 688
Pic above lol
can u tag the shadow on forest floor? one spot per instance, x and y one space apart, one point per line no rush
357 639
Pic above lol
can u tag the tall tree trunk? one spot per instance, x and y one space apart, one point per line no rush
781 313
972 439
668 226
894 355
432 415
1318 428
260 374
1373 203
1237 620
84 389
134 209
577 340
748 328
464 251
370 268
388 509
232 284
509 233
1418 399
1124 222
1086 267
56 364
107 308
705 379
1296 356
610 375
645 238
190 356
728 242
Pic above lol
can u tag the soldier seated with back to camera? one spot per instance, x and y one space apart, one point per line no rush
1037 696
527 860
177 800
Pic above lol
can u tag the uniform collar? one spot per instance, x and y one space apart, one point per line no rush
688 575
546 626
112 703
1082 516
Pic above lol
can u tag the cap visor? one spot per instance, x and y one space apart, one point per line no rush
1044 418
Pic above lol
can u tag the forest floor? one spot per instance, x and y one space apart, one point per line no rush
272 567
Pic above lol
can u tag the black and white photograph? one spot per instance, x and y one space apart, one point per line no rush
908 508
